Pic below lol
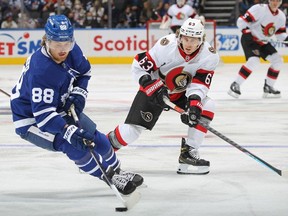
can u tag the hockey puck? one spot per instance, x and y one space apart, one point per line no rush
121 209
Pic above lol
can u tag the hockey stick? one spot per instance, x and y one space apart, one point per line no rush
133 198
4 92
220 135
274 41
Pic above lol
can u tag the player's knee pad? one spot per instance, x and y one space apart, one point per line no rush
39 138
276 61
253 63
143 112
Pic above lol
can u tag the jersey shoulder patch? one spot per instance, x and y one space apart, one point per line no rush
164 41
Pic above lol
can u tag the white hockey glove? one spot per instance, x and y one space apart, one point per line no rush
78 138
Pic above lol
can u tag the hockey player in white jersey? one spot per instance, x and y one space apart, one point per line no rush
258 25
55 77
180 12
179 66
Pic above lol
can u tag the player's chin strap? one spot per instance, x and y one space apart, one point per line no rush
283 173
133 197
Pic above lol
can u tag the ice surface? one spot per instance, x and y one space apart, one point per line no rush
36 182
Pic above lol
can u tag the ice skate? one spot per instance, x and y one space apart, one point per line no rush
121 182
130 176
234 90
270 92
190 162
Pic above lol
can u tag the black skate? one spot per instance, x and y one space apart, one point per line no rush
190 162
234 90
123 185
270 92
130 176
121 182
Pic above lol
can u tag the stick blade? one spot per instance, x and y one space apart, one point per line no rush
129 201
284 173
132 199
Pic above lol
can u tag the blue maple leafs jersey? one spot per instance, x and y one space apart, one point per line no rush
43 87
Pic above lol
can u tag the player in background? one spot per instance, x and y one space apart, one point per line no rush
55 77
177 14
179 66
258 25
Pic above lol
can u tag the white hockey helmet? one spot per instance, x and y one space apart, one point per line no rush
181 3
193 28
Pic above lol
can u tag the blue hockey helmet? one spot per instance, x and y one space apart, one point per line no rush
59 28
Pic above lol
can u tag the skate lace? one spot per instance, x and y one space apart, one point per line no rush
270 89
128 175
119 181
235 87
194 153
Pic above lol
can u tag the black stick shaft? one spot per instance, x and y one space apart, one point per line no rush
4 92
212 130
220 135
108 180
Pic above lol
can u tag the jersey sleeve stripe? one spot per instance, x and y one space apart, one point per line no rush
49 117
50 109
24 122
281 31
151 59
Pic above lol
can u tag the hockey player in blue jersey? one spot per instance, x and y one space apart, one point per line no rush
55 77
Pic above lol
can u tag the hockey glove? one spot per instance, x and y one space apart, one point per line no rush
78 98
154 89
193 111
78 138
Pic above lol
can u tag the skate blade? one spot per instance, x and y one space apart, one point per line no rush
268 95
194 170
233 94
129 200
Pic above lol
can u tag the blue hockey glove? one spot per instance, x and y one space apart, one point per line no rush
78 138
193 113
154 89
78 98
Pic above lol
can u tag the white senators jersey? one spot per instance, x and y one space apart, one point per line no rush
179 72
179 14
264 23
